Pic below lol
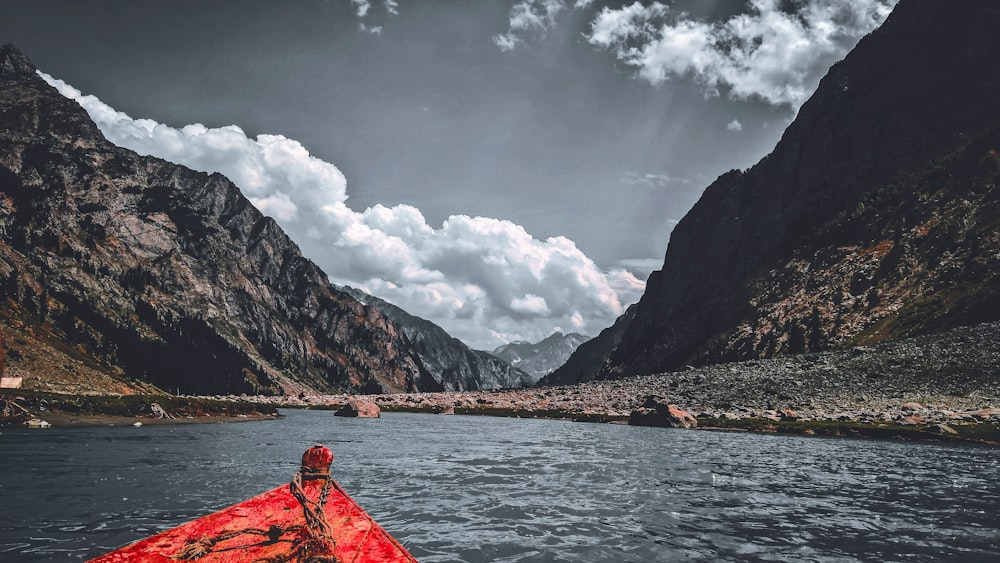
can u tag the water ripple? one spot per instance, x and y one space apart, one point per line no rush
468 489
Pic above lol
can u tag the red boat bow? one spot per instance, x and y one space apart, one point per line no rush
310 520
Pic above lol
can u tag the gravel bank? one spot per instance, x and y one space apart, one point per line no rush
952 378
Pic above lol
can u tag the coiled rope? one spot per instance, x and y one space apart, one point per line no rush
312 543
319 547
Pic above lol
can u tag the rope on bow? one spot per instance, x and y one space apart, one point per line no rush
314 542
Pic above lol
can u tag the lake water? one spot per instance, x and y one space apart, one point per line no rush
459 488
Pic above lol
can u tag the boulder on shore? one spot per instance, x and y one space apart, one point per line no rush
788 415
359 408
657 412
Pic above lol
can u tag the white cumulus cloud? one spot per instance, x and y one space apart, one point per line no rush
734 125
530 305
652 180
777 51
531 18
505 42
485 280
361 7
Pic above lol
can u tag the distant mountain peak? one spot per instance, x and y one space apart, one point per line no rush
451 363
585 363
540 358
13 63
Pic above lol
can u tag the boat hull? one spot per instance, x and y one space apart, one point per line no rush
272 528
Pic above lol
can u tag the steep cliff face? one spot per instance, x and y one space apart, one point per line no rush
153 272
451 363
875 217
540 358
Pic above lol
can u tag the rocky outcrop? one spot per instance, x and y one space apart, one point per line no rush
359 408
150 273
655 411
875 217
541 358
586 362
451 363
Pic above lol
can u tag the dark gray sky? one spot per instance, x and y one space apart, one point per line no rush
594 122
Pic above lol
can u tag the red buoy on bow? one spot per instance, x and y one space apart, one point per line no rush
310 520
317 460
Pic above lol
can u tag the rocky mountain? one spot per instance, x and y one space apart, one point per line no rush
542 357
119 271
876 217
451 363
586 362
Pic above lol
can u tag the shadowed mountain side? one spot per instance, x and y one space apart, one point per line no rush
450 362
151 271
541 358
586 361
874 218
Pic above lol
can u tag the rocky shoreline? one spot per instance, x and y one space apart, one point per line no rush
943 385
41 410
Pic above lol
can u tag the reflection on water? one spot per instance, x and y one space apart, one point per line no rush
455 488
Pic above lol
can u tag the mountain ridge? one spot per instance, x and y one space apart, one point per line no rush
539 358
150 273
806 250
587 360
450 362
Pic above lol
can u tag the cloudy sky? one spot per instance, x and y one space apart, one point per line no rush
504 169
